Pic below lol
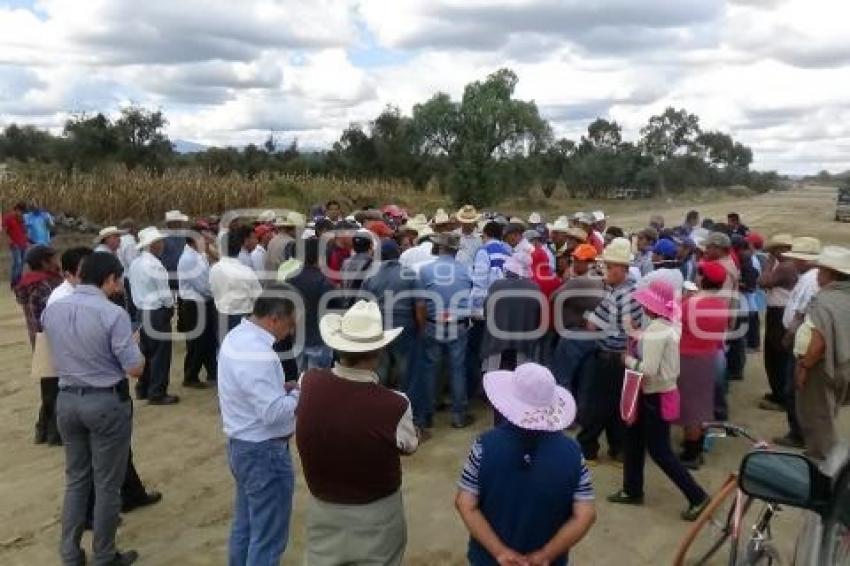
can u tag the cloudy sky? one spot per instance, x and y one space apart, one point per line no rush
774 73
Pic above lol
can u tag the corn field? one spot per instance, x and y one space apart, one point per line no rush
111 194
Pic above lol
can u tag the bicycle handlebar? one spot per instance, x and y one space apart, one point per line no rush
731 429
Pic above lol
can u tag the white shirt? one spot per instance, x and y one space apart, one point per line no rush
258 259
103 248
244 258
234 286
193 271
254 403
149 281
127 251
60 292
417 256
801 295
405 434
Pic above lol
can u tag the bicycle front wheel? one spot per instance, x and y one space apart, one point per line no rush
711 531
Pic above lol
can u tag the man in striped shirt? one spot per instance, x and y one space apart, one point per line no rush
613 320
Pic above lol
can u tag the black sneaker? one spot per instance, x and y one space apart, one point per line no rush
124 558
623 498
164 400
150 498
693 512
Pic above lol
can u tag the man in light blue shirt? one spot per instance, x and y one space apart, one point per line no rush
258 414
38 223
196 314
444 314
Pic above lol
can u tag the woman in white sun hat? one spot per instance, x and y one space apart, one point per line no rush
525 494
351 434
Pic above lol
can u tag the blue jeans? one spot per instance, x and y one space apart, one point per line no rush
263 505
422 394
569 359
397 358
315 357
16 265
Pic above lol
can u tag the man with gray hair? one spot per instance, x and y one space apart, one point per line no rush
93 352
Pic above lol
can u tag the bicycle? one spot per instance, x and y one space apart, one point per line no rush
723 518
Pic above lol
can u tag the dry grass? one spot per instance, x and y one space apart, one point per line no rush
114 193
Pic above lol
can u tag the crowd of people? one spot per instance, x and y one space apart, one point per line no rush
351 333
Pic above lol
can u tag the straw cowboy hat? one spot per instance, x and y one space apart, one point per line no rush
175 216
805 248
576 233
562 224
780 241
291 219
108 231
267 216
517 220
834 258
619 251
659 297
467 215
530 399
148 236
359 329
598 216
441 217
535 218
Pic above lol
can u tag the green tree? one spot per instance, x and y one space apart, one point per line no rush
487 125
26 143
141 141
89 141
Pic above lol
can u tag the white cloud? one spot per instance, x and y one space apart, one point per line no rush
771 72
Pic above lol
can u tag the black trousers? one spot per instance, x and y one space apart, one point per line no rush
794 429
602 410
128 301
650 433
775 356
45 428
155 344
736 353
199 319
754 330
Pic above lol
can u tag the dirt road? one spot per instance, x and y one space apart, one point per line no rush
180 451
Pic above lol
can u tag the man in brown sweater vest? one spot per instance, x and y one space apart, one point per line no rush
351 435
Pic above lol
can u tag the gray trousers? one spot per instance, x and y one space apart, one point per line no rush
95 427
818 403
356 535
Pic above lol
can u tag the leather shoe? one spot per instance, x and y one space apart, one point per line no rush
164 400
124 558
150 498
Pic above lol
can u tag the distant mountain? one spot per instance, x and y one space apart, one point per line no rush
185 146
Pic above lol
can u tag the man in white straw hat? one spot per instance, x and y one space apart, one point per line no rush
258 415
282 246
154 301
822 351
804 251
108 240
778 279
351 434
470 243
615 317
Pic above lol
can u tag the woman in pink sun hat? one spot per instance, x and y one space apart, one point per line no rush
525 494
658 361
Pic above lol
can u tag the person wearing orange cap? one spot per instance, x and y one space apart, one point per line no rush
380 229
581 293
264 234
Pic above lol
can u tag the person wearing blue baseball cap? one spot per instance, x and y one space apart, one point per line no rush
665 263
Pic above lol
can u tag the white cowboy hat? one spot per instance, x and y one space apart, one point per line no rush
783 240
108 231
292 219
535 218
467 214
562 224
598 215
440 217
619 251
267 216
359 329
148 236
835 258
175 216
804 248
424 232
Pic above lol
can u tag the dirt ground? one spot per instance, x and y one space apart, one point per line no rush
180 451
